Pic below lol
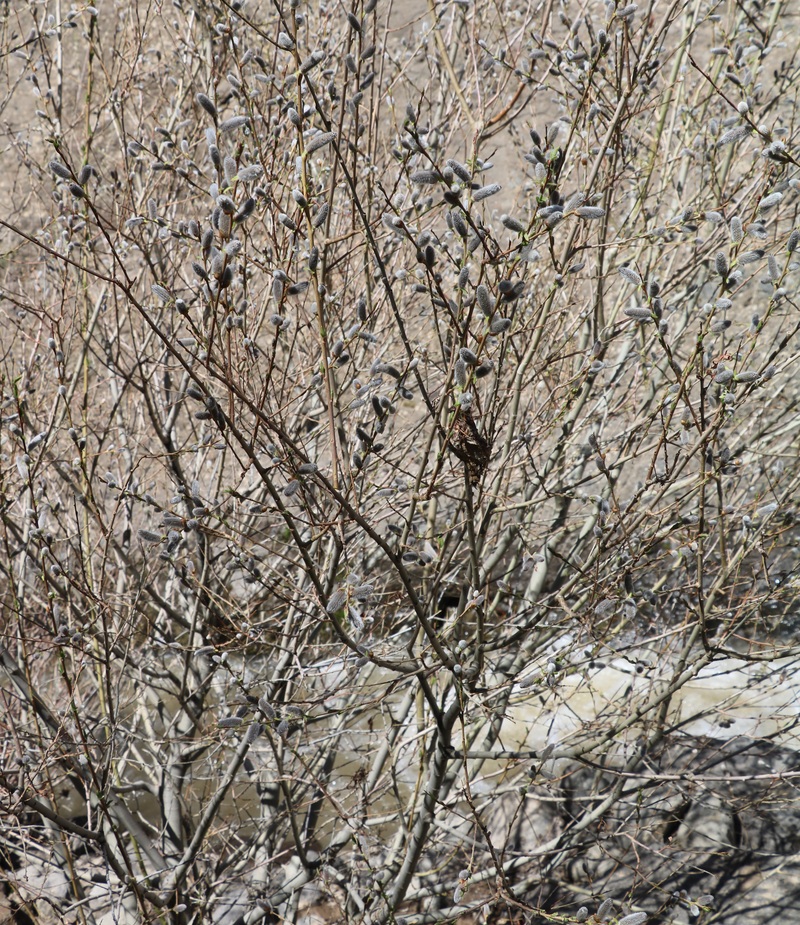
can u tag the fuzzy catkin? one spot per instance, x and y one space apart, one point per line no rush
485 301
319 141
486 191
206 104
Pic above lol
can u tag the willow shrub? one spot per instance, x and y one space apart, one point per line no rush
376 518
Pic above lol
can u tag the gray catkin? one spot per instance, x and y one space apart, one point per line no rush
60 170
574 202
424 177
774 270
630 275
227 274
734 135
321 215
485 301
229 169
336 601
254 730
206 103
486 191
320 141
635 918
459 225
590 213
266 708
459 170
246 209
355 619
639 314
499 325
235 122
769 201
512 224
750 257
253 172
309 63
